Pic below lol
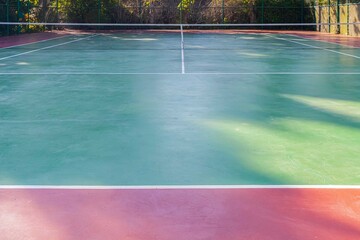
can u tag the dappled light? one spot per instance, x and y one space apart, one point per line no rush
345 108
138 39
22 63
247 38
24 217
252 54
292 150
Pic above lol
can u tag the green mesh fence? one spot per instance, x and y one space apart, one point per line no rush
340 16
153 11
3 18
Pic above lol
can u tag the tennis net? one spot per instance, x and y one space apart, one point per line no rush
168 36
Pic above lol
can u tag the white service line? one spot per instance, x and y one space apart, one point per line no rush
87 73
48 47
311 46
20 45
195 73
57 121
177 187
182 50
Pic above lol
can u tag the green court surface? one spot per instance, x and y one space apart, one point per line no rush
115 109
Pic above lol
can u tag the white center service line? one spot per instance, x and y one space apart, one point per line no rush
182 50
48 47
311 46
178 187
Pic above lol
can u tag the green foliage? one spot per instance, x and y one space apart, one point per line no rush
185 5
156 11
284 11
83 11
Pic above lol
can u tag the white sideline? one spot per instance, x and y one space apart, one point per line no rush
48 47
323 41
311 46
24 44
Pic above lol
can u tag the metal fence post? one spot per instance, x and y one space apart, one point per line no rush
320 13
338 16
7 17
347 17
329 14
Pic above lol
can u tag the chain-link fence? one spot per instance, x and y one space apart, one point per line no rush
153 11
340 16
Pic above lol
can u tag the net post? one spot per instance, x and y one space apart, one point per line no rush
319 19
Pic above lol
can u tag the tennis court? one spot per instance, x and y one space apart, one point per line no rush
180 134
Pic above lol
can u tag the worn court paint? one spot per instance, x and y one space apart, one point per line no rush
258 214
182 130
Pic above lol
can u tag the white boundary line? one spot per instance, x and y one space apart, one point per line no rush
195 73
20 45
323 41
48 47
311 46
177 187
182 50
57 121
